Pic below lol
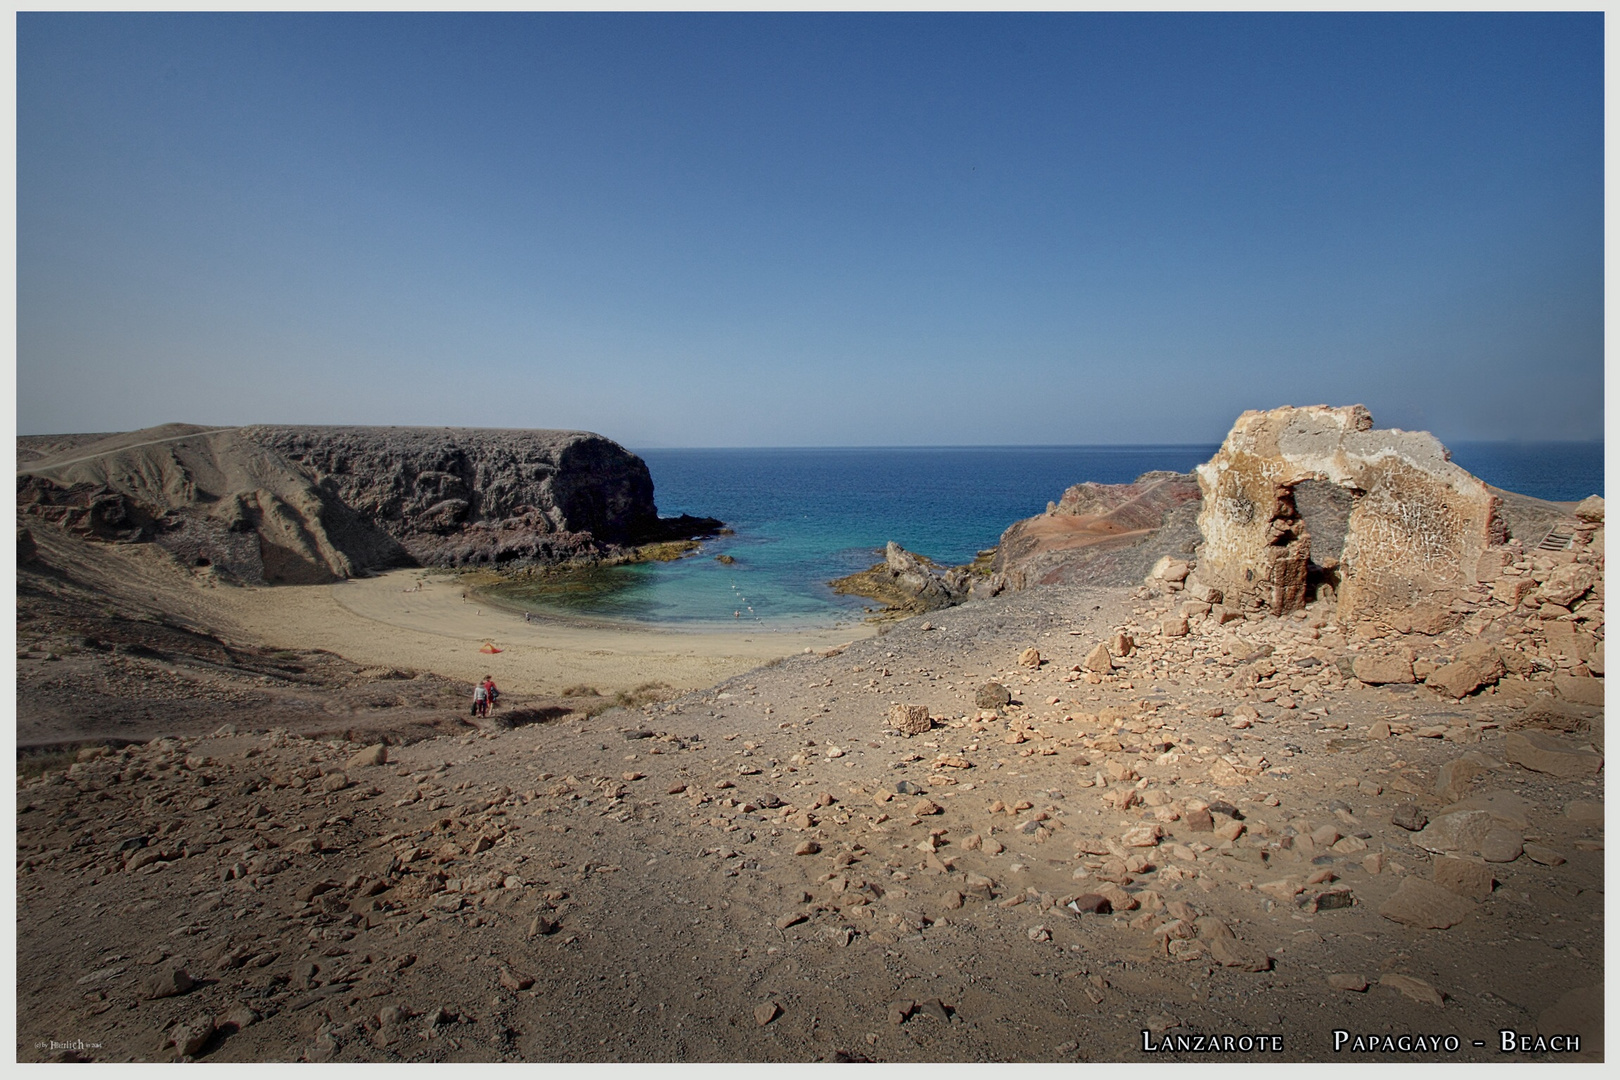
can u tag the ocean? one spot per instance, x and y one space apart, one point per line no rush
805 516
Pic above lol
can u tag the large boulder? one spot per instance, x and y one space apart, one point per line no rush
1416 528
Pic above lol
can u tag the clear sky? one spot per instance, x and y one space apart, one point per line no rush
734 230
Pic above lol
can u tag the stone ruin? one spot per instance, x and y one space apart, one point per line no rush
1417 530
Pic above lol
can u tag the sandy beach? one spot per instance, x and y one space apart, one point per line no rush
384 621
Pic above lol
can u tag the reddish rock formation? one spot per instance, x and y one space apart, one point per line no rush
1106 534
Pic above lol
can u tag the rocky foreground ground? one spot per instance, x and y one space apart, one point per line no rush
1211 825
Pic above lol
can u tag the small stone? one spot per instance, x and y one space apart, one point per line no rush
1461 831
1209 927
1416 989
1229 952
900 1010
1455 776
1379 730
792 918
1579 688
992 695
765 1012
1339 896
1030 658
540 926
193 1035
1383 670
1464 877
169 982
910 719
1501 845
1142 836
513 981
807 847
1424 904
926 808
1456 680
952 900
1543 753
1540 853
1373 863
240 1017
335 781
1159 1023
1409 816
1347 981
1176 627
371 756
1199 820
1099 660
1038 934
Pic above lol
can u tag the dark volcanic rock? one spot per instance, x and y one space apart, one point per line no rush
311 504
908 584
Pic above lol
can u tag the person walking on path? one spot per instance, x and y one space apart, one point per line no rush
491 693
480 705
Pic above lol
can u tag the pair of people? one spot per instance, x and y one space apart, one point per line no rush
484 696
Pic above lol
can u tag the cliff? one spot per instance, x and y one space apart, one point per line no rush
1100 534
309 504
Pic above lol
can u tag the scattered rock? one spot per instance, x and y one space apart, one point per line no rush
1424 904
806 847
1416 989
1030 658
1099 659
1229 952
1540 853
1464 877
169 982
370 756
765 1012
1579 689
910 719
1501 845
1462 831
1384 670
1543 753
992 695
899 1011
1346 981
513 981
191 1036
1454 778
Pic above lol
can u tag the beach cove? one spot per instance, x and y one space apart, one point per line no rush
383 621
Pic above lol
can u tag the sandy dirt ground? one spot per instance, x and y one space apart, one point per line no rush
1214 837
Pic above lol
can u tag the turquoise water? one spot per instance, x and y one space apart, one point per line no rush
805 516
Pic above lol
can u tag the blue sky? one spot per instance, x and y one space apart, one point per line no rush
733 230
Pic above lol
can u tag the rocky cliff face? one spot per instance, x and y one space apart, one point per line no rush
310 504
1101 534
456 496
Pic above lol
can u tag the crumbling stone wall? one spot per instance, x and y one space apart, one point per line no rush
1417 528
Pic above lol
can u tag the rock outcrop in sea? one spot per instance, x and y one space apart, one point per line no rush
293 505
